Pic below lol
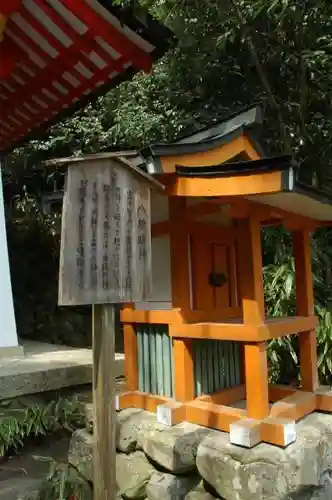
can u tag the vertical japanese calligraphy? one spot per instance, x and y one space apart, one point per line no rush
129 242
117 239
80 254
106 228
93 244
106 240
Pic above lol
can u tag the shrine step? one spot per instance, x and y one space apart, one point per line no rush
47 367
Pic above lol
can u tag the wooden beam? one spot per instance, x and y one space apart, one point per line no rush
103 332
305 307
213 416
215 331
242 208
178 316
278 392
225 396
240 185
295 406
142 400
279 327
324 399
278 431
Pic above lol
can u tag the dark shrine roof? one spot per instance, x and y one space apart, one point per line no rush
300 198
57 55
209 137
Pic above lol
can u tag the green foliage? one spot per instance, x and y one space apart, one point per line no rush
33 241
324 337
64 482
19 425
279 288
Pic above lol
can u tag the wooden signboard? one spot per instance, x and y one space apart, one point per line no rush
105 259
106 236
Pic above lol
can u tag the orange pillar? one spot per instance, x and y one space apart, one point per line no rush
180 268
130 363
252 292
305 307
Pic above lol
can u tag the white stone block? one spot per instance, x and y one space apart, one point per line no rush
164 415
245 432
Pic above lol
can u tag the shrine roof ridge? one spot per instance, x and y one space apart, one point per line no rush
209 138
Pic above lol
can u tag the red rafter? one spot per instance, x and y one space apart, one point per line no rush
69 53
10 54
39 52
110 34
65 61
67 99
42 77
84 42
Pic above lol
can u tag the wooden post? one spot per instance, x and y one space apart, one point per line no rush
103 401
105 259
180 268
305 307
252 291
251 285
184 370
257 380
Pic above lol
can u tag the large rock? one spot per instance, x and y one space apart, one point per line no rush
168 487
81 453
199 493
133 473
130 423
310 493
173 448
268 472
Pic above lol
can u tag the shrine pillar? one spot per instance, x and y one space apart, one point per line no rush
252 291
8 334
305 307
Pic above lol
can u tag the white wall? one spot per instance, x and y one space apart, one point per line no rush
8 335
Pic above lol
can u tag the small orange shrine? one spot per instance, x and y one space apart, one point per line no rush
197 351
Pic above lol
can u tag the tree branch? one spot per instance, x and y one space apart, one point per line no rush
260 71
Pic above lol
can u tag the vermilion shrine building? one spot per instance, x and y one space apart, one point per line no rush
198 348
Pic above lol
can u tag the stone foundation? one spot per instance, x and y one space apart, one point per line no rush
194 463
